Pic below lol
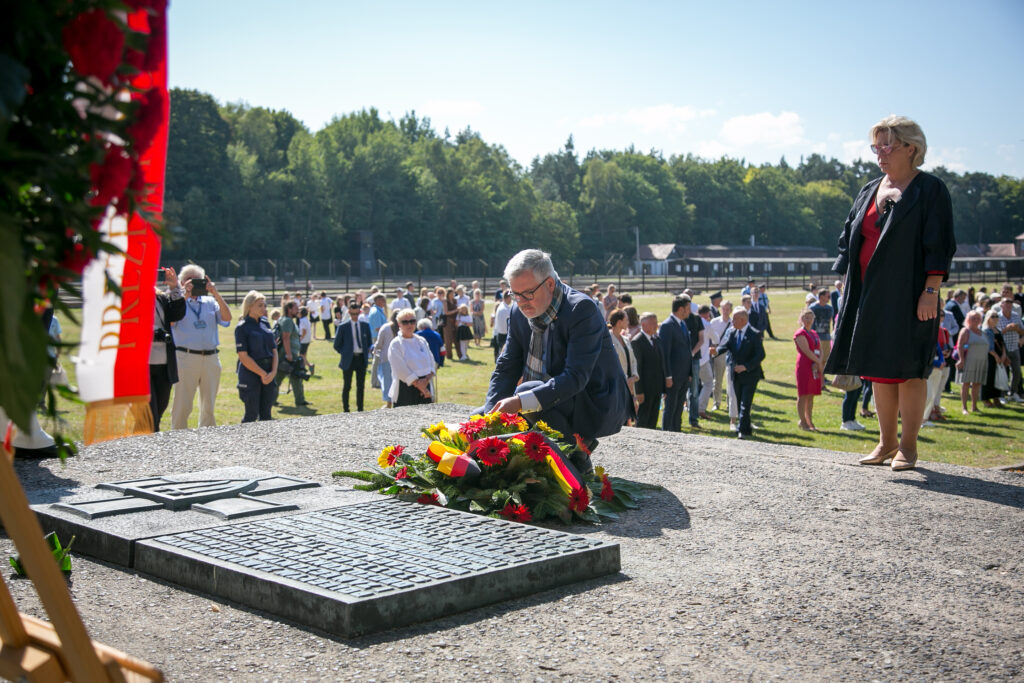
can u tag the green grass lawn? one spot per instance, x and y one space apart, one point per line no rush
983 440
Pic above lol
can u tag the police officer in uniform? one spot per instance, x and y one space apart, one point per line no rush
257 359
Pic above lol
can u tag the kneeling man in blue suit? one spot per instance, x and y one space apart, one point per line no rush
558 345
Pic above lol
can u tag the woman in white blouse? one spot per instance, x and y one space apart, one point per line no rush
617 324
412 364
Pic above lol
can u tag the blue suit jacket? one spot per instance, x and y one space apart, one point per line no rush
343 342
580 360
757 319
749 353
676 350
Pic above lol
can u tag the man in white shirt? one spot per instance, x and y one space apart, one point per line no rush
706 371
325 314
499 322
399 301
716 331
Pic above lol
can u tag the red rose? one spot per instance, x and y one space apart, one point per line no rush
111 178
94 43
535 447
579 500
490 451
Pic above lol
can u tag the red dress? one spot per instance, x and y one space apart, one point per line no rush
806 383
872 233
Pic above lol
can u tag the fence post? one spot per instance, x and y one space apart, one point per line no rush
273 279
572 268
484 290
348 273
419 277
643 278
452 265
236 266
383 276
305 265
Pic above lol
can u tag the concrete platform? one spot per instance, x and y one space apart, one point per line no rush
755 561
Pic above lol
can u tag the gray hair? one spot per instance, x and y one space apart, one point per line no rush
647 315
532 260
904 130
425 324
191 272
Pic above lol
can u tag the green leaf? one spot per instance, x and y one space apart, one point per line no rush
16 564
476 507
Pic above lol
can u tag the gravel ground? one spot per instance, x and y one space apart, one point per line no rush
755 561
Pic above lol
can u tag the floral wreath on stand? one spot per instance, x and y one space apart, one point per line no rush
497 465
72 129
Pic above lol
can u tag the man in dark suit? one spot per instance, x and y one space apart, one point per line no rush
352 341
676 355
746 351
558 343
758 316
651 368
716 302
954 307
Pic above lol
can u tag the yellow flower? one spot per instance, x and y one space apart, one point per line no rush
436 428
389 455
543 426
444 434
599 471
492 419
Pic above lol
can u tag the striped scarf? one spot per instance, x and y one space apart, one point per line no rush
534 369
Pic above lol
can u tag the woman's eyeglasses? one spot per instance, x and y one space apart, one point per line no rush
885 149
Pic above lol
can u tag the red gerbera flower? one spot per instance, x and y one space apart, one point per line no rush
491 451
607 493
472 428
516 513
581 444
404 474
510 419
579 500
428 499
535 447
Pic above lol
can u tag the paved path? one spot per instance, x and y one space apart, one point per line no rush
756 561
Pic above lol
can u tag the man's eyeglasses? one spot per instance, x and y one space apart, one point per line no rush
406 322
528 294
884 149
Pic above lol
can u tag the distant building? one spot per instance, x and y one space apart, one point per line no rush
716 260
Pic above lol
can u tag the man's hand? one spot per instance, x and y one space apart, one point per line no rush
668 382
187 284
172 277
512 404
740 368
267 378
639 399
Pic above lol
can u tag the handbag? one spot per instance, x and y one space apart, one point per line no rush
846 382
1001 381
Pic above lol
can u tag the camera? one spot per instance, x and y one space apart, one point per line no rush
299 371
160 335
199 286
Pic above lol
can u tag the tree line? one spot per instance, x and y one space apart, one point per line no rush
246 182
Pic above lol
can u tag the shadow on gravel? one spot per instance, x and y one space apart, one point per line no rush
968 487
659 511
40 483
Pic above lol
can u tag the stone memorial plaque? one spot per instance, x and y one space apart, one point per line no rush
372 566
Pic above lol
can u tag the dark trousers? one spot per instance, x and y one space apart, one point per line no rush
647 415
745 398
499 344
409 396
327 327
850 404
768 325
159 393
693 391
257 397
868 392
357 367
675 397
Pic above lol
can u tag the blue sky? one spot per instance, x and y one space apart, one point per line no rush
753 80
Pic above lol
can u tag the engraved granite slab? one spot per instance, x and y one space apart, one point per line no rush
107 520
372 566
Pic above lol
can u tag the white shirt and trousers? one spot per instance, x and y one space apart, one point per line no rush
196 337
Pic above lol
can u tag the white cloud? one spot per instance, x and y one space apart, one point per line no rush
950 158
765 129
598 121
855 149
712 149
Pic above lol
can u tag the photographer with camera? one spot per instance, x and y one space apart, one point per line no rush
163 362
292 365
196 339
